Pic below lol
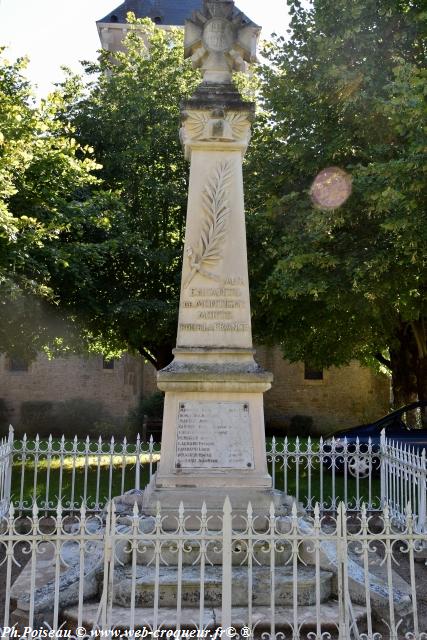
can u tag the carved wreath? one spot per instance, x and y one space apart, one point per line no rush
214 224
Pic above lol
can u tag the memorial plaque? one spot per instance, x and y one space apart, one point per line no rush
213 435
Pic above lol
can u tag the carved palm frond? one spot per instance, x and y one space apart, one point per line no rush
217 211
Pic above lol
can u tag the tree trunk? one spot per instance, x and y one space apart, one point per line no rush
159 357
408 360
403 374
163 355
422 387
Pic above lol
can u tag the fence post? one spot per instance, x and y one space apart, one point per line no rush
227 533
422 516
383 463
138 462
8 479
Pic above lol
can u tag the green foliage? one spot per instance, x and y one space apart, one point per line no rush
150 406
82 417
4 416
44 173
301 426
346 89
120 259
76 417
36 417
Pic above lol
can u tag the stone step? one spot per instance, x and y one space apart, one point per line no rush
190 595
191 554
190 618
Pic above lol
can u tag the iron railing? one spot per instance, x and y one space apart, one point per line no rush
253 576
313 471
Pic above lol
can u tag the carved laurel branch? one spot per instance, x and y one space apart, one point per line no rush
214 223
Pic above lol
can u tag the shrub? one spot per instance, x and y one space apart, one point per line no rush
75 417
301 426
4 416
36 417
150 406
81 417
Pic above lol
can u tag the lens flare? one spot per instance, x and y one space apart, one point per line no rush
331 188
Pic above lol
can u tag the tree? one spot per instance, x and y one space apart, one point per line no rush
120 275
333 283
43 171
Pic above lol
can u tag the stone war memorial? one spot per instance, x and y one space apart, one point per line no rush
213 442
209 545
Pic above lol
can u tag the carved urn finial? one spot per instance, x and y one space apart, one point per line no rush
220 39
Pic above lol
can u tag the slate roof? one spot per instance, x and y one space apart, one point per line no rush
171 12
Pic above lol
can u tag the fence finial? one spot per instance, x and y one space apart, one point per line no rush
227 509
294 510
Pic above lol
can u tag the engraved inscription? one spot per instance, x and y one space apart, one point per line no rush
216 315
207 303
217 326
234 281
211 307
214 435
222 292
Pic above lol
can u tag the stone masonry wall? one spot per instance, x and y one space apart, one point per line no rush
67 378
346 396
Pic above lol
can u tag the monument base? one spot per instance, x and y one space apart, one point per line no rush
194 499
213 423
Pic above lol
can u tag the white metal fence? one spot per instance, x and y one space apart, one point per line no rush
325 472
49 471
403 481
285 577
6 459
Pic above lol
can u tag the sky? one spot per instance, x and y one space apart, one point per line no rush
54 32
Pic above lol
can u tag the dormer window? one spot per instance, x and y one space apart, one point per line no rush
114 18
157 20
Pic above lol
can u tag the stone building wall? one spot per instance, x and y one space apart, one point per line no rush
73 377
346 396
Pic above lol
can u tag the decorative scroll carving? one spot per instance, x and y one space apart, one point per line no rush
214 224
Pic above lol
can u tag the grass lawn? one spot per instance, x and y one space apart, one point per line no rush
89 477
